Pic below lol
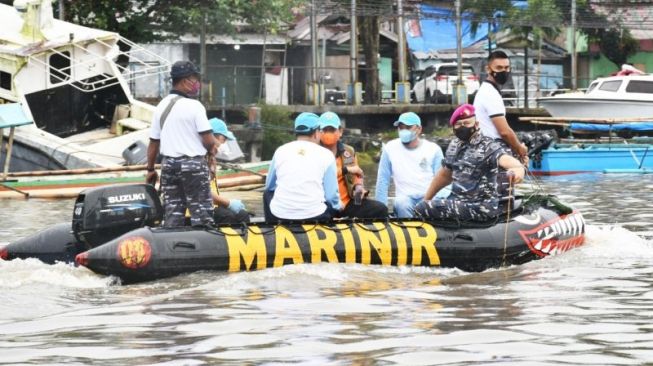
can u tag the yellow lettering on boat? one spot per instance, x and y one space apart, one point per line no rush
350 244
286 247
325 244
250 250
378 238
426 242
402 247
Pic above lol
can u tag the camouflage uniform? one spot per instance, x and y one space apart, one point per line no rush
185 184
474 168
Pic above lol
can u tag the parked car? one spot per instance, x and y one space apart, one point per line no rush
437 83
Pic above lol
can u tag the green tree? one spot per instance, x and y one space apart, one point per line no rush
151 20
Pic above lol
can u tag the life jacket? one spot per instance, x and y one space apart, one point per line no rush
348 155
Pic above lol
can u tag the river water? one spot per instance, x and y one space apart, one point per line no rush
590 306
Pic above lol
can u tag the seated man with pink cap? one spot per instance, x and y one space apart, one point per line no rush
471 165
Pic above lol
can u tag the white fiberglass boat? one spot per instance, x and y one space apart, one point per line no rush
622 96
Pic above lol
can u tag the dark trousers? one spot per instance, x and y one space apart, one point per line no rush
452 209
223 215
327 215
368 209
185 185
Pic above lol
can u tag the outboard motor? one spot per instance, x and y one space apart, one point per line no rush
104 213
100 214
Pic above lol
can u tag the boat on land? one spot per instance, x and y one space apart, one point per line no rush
73 83
610 154
114 233
622 96
69 183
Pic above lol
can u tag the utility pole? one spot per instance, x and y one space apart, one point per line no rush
402 87
314 56
203 68
461 93
353 45
401 55
574 61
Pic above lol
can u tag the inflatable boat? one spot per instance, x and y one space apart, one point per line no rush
535 227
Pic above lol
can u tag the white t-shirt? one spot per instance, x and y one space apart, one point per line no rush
413 169
299 169
488 103
181 131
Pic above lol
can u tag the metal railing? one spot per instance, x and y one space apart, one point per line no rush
235 85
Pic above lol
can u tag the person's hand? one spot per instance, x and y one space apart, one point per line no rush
524 160
151 177
516 175
359 193
236 206
355 169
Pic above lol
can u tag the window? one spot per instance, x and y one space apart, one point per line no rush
611 86
59 67
640 86
5 80
592 87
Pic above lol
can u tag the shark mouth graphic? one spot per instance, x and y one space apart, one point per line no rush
556 236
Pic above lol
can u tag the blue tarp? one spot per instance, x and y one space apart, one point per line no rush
438 29
12 115
639 126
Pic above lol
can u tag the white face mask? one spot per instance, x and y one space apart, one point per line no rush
224 149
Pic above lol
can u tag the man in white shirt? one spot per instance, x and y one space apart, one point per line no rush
182 134
301 183
411 162
490 109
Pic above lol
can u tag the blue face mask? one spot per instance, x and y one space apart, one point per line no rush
406 136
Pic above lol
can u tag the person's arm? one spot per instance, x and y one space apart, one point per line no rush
509 136
152 152
437 160
271 177
383 178
330 183
514 167
442 178
356 171
219 200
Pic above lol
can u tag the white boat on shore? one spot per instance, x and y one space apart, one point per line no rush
73 83
622 96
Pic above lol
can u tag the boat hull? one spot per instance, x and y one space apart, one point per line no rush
562 159
596 108
148 254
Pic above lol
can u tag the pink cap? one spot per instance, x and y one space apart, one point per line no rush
463 112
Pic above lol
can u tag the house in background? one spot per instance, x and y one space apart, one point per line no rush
432 40
637 17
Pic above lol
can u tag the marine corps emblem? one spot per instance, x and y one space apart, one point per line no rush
134 252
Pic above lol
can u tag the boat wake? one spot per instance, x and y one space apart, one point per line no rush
34 273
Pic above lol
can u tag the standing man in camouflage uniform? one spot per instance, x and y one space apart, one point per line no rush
183 135
471 163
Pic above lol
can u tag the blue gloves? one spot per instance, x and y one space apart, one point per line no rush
236 205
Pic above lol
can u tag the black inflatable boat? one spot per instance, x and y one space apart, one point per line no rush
536 227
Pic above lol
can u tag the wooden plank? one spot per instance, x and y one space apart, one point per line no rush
599 121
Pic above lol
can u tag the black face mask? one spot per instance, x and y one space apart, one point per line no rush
464 133
500 76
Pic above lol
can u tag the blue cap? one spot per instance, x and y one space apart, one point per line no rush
220 128
329 119
306 122
409 119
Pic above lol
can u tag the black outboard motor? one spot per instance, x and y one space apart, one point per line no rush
100 214
107 212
